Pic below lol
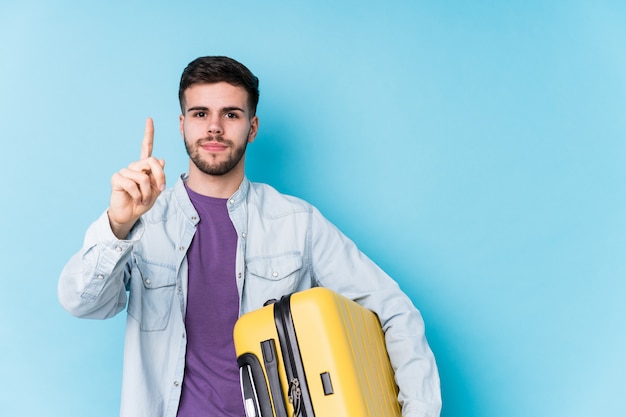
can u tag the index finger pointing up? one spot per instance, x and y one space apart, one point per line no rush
148 139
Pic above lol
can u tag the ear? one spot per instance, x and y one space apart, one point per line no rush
254 128
181 121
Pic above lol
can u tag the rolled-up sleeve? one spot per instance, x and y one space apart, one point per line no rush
93 283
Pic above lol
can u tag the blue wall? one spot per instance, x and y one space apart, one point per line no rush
475 150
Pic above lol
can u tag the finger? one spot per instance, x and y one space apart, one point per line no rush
156 172
122 182
148 139
144 165
142 182
159 174
152 167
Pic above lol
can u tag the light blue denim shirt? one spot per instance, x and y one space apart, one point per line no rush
284 245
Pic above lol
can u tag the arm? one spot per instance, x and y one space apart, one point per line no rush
93 283
340 266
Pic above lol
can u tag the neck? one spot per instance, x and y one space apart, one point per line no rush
218 186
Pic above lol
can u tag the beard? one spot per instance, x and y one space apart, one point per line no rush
209 166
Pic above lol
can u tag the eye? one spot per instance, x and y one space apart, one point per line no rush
231 115
199 114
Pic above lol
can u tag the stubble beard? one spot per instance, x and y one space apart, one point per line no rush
215 168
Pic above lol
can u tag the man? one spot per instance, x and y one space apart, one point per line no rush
195 257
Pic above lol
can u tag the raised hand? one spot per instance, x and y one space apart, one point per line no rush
135 189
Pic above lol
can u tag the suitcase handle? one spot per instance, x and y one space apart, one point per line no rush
270 361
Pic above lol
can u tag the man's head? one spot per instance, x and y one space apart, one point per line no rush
215 69
218 98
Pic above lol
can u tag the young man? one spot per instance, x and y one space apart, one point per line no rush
186 262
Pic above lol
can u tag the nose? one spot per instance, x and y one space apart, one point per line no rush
215 126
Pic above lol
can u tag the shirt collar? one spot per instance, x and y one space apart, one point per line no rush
234 200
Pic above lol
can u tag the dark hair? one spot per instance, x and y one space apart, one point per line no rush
215 69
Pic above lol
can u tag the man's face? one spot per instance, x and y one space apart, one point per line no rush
217 127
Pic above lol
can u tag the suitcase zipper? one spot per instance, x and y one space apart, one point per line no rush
294 368
294 396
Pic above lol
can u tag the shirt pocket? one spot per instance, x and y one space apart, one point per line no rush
152 290
271 277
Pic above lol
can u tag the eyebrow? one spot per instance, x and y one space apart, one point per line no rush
222 110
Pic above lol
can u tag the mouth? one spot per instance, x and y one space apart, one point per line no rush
214 146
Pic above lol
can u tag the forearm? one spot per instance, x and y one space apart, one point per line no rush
339 265
414 363
93 282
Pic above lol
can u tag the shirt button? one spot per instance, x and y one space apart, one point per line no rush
274 274
231 201
176 383
148 282
118 249
181 248
243 235
100 276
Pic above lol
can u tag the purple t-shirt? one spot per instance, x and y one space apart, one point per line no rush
211 382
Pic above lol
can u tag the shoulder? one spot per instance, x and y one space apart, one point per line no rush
274 203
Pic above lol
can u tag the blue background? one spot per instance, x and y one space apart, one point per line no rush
475 150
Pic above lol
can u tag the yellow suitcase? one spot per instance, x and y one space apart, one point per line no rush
314 353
